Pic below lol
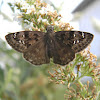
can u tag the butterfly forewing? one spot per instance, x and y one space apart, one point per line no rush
77 40
21 41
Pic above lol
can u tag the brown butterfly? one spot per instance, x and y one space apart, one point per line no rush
38 47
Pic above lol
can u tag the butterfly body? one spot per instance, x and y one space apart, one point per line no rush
38 47
50 41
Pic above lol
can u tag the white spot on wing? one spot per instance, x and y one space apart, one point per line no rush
19 41
23 42
74 35
74 42
78 41
82 34
15 35
23 35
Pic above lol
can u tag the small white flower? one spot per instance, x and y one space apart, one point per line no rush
17 1
44 20
21 2
28 11
39 19
17 17
25 6
29 8
32 7
26 26
43 10
56 23
49 8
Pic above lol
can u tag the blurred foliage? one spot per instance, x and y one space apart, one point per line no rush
19 80
5 17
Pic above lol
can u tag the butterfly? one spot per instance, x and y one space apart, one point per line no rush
38 47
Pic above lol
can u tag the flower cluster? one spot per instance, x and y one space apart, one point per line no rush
80 92
85 63
36 15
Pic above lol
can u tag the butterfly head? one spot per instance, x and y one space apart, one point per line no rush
50 29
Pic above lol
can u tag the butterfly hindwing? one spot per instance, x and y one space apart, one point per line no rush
77 40
62 54
21 41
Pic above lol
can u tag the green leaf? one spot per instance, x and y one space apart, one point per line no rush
1 75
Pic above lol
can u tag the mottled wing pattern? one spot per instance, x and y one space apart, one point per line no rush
76 40
31 44
37 54
21 41
62 54
35 49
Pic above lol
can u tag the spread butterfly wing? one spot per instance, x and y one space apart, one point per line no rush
77 40
21 41
37 54
31 44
